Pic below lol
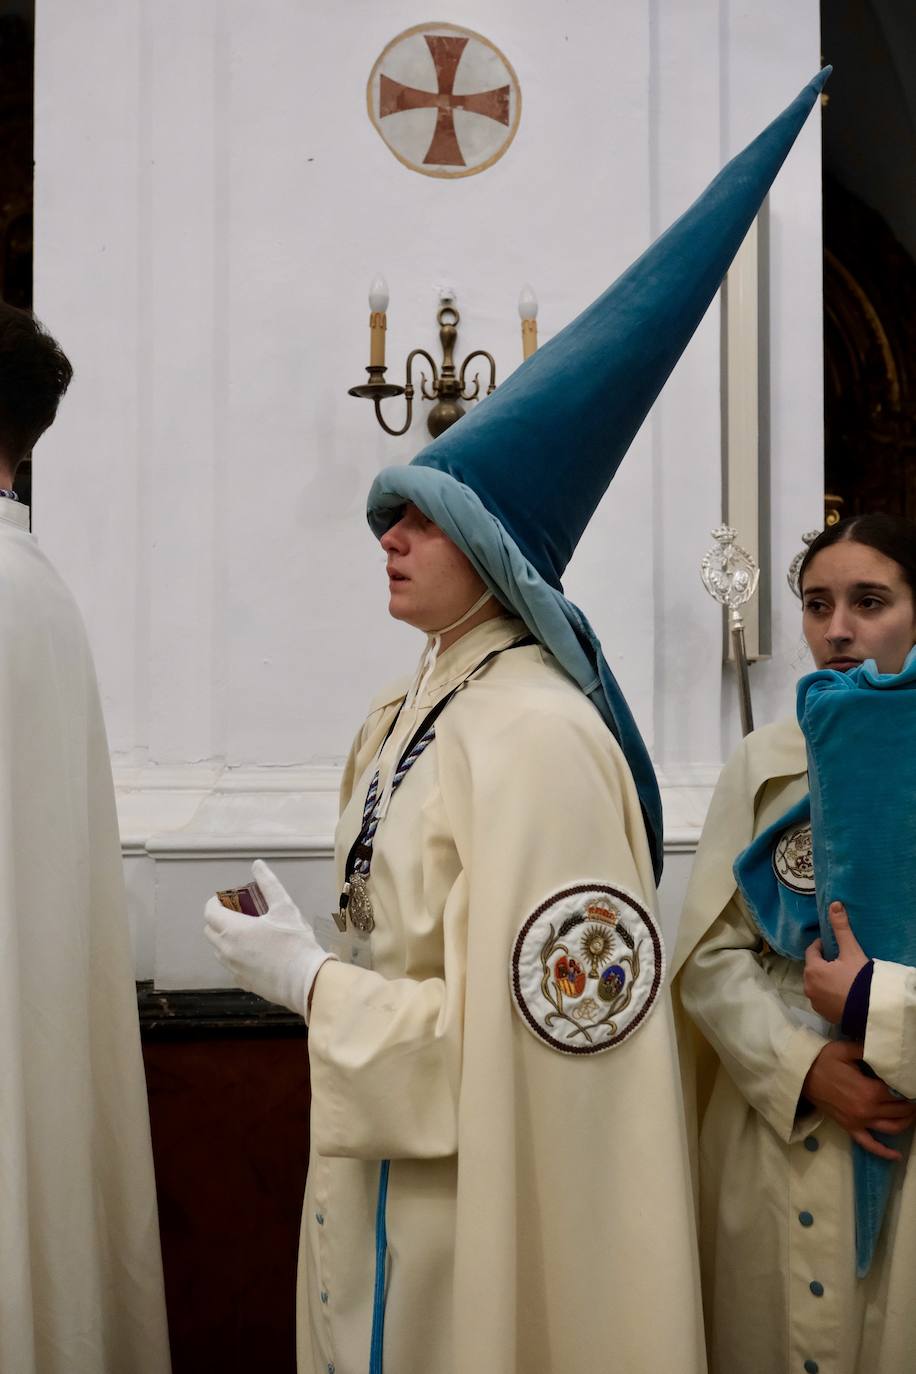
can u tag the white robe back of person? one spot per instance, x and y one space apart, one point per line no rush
81 1287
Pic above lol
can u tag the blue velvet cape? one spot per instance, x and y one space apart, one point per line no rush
860 731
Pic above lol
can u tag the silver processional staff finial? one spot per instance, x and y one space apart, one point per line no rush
730 575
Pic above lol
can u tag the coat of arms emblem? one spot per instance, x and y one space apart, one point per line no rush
793 858
586 968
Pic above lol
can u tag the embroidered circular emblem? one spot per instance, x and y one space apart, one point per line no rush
586 968
445 100
793 858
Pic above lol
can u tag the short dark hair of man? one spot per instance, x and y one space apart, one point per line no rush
34 374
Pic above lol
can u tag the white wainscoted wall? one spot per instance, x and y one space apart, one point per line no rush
212 202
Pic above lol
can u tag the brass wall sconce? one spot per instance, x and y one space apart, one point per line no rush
448 384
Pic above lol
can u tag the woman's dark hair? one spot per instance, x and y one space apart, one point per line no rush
34 374
892 535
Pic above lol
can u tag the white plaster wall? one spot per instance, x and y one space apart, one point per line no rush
211 204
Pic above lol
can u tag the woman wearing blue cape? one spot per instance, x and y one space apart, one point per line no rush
799 1052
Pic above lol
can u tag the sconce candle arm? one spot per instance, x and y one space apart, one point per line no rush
409 392
434 380
421 353
478 353
408 395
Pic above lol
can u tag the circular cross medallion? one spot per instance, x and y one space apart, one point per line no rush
793 858
586 968
445 100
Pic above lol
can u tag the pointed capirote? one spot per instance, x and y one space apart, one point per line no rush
515 482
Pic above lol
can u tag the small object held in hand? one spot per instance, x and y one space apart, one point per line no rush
249 900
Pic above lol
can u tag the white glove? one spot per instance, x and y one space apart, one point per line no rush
275 955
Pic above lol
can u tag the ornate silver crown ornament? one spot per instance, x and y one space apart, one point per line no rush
730 575
795 566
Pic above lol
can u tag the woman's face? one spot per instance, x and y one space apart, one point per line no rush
430 582
857 605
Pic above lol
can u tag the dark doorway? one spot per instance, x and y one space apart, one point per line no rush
869 128
17 65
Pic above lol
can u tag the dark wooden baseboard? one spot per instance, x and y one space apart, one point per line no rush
202 1013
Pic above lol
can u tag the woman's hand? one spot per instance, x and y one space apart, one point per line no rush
858 1103
827 982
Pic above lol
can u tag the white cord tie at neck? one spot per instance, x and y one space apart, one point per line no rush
425 669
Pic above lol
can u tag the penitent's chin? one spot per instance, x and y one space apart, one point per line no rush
399 606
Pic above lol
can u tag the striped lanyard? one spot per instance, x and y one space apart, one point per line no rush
371 815
359 859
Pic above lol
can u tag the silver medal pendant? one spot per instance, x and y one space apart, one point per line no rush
359 907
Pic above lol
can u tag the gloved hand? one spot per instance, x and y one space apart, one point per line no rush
275 955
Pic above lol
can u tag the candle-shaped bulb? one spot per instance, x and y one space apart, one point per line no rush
527 303
378 296
378 304
528 311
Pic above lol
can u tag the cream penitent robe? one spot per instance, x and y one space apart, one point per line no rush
80 1271
539 1209
777 1228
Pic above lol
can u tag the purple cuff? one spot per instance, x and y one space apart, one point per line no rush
855 1012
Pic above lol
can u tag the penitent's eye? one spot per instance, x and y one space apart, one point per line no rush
415 516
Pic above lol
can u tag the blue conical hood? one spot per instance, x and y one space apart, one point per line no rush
516 481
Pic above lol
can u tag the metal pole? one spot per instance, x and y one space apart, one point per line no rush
744 680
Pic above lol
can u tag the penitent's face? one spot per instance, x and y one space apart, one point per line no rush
857 605
430 582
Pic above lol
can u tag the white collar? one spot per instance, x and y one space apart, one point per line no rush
14 513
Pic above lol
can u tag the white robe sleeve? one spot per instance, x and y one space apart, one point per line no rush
890 1036
729 994
385 1060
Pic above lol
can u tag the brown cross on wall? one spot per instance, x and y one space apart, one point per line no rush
444 149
